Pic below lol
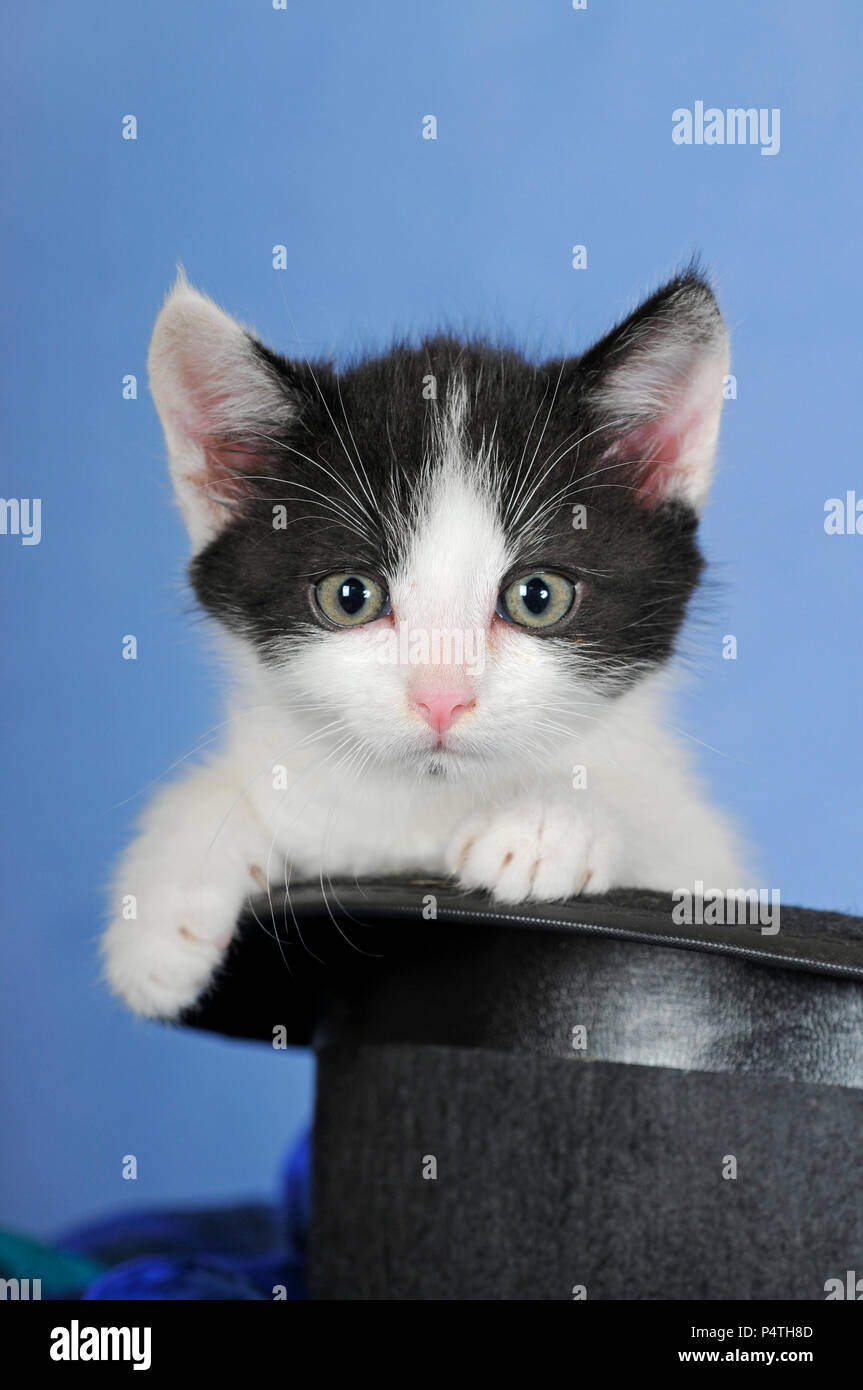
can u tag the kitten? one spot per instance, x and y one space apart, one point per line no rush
450 583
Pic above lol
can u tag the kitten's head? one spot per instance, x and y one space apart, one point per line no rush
446 557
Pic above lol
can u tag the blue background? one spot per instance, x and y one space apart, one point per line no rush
303 127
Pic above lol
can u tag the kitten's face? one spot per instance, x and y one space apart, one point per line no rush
447 559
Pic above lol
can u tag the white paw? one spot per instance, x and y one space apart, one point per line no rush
532 850
162 960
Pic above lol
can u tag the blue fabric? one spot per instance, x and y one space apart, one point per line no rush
237 1253
161 1277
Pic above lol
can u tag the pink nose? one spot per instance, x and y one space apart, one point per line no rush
441 708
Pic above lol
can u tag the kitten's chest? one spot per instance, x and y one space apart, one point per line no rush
355 825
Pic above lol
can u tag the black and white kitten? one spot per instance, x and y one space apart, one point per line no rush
450 582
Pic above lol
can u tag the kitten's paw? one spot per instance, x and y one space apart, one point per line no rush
535 851
162 961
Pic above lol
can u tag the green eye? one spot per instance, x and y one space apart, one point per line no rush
351 599
536 600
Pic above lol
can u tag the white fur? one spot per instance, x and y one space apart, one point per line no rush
520 830
325 769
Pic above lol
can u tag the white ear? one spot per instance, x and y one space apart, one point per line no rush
658 387
215 394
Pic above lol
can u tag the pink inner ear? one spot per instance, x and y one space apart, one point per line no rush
654 449
226 464
203 416
669 453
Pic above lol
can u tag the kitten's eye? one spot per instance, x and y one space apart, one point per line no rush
536 600
351 599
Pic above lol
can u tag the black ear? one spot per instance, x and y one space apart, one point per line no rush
218 397
653 392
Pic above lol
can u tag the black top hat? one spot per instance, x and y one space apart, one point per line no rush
628 1096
